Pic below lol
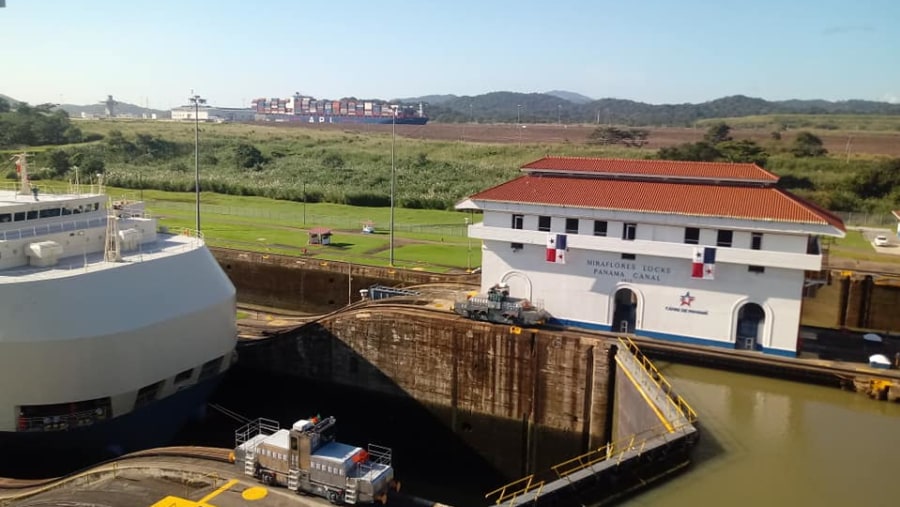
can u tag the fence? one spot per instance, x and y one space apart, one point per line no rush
305 219
855 218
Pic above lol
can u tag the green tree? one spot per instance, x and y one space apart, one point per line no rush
718 133
59 162
743 151
4 105
247 156
877 181
698 152
808 144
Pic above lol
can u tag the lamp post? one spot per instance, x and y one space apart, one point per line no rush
559 114
393 126
196 100
519 121
468 248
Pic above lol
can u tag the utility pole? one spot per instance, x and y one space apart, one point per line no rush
196 100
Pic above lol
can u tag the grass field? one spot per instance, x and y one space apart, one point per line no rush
843 122
424 239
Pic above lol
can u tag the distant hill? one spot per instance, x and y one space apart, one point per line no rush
575 98
98 109
430 99
121 109
545 108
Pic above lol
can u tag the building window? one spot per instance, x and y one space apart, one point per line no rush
692 235
629 231
756 241
724 238
756 269
544 224
517 221
571 226
599 227
628 257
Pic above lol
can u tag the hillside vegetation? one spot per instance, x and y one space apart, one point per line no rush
545 108
354 167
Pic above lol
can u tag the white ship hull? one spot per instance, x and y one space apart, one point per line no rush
111 335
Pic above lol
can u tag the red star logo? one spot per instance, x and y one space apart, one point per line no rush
687 299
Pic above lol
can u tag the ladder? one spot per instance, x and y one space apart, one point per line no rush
293 483
250 462
350 492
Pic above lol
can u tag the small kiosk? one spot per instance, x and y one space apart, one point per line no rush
319 236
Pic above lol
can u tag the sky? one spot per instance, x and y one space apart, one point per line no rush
156 53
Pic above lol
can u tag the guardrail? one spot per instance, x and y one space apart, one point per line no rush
659 380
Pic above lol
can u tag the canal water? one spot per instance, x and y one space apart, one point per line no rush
779 443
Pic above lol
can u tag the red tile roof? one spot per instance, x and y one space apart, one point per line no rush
667 169
734 201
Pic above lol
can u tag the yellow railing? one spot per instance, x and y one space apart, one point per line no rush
680 404
515 489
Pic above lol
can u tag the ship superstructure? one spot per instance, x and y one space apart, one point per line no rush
112 332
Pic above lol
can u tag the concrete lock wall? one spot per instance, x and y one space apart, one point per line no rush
525 400
313 285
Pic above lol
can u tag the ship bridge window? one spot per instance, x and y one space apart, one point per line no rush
32 215
5 217
19 216
66 211
47 213
184 376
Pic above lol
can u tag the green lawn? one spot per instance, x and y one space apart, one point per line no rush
424 239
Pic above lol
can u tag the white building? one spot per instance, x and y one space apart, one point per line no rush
210 113
698 252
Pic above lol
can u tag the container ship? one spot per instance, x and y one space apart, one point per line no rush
305 109
114 333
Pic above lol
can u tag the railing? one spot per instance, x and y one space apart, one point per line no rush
62 422
260 426
39 230
659 380
516 489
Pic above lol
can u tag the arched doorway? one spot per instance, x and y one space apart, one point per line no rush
750 321
624 311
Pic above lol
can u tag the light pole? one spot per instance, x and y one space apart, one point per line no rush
519 121
559 114
468 248
393 125
196 100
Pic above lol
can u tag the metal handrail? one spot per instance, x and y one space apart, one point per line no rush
680 404
529 486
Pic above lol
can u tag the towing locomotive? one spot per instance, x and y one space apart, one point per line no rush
307 459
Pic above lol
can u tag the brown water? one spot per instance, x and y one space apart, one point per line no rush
769 442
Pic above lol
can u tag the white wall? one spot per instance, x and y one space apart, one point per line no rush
582 290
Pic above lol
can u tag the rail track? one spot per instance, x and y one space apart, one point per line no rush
205 453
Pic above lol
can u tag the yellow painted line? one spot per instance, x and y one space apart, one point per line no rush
218 492
647 399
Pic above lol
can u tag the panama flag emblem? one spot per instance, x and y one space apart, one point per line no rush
556 248
704 265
